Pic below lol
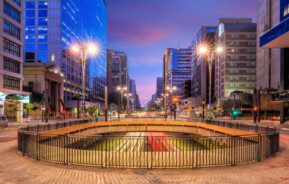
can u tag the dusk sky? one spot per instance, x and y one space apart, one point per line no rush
144 28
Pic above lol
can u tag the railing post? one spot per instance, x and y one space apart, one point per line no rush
233 161
65 147
259 153
37 147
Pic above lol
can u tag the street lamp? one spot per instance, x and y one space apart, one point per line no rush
121 89
204 50
128 95
84 50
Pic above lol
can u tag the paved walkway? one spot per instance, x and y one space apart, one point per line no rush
14 168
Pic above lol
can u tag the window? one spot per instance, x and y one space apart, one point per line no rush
29 56
286 10
42 5
42 47
30 22
42 38
42 57
29 30
18 2
42 21
11 11
42 13
11 82
11 29
29 38
30 5
42 30
30 13
11 47
29 47
11 65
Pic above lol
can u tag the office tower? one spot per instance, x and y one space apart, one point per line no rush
237 70
51 27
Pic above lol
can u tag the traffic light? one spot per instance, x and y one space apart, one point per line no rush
255 108
235 112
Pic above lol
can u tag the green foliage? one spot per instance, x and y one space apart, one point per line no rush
228 104
93 111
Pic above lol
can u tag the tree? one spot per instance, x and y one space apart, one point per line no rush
228 104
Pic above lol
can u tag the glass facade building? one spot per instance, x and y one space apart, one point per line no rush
52 26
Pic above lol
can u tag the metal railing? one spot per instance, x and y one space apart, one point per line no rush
150 151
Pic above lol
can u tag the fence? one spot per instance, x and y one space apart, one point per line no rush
150 151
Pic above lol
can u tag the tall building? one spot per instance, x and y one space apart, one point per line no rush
117 70
160 86
11 62
51 27
237 70
273 52
177 67
134 96
268 60
200 68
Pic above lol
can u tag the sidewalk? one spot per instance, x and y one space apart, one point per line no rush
38 122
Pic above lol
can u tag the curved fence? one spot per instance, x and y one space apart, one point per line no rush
150 150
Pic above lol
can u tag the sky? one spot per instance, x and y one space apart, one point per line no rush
144 28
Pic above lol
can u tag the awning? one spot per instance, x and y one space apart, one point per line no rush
277 37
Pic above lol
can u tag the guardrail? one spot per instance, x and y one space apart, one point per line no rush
151 151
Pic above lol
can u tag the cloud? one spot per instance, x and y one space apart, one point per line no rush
144 28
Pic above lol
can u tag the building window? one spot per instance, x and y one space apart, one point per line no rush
42 5
29 30
42 13
30 5
30 22
11 82
29 38
29 56
11 11
286 10
11 47
11 29
30 13
42 21
11 65
18 2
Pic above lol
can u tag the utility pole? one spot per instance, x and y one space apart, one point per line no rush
203 103
105 104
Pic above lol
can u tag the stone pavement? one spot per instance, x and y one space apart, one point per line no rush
15 168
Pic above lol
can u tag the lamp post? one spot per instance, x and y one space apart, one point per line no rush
209 54
122 90
84 50
128 95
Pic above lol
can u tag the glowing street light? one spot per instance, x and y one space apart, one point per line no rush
83 50
204 50
122 90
